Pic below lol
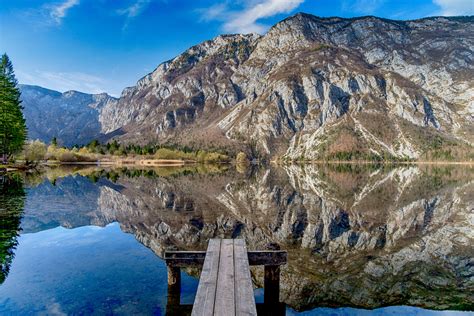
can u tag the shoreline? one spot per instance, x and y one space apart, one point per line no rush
364 162
144 163
180 163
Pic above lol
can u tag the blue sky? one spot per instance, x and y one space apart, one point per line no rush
106 45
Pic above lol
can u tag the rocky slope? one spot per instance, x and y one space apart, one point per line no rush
309 88
312 87
72 117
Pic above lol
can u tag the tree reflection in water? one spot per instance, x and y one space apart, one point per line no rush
12 202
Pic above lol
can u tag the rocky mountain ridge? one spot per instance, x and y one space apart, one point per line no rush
72 117
312 88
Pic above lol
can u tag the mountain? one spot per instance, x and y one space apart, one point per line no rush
72 117
312 88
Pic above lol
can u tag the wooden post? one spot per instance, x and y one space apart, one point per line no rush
174 288
272 279
272 284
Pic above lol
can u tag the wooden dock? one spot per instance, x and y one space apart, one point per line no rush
225 285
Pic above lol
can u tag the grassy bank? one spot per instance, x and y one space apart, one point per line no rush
36 153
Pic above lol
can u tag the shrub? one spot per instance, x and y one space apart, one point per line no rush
215 157
34 152
67 157
165 153
241 158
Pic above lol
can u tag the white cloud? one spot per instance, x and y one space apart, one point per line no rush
59 11
132 11
455 7
246 20
135 9
214 12
64 81
362 6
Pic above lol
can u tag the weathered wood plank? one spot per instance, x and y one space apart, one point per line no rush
267 257
184 262
206 293
244 297
255 258
225 295
185 254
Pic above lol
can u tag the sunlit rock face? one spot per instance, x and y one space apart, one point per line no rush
307 89
311 87
360 236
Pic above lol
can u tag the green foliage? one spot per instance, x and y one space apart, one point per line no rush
70 155
12 123
93 145
200 156
357 155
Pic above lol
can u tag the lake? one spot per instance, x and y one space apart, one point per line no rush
361 239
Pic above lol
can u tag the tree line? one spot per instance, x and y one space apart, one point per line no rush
13 132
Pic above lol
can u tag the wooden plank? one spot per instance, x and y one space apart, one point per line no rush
196 258
225 295
244 297
184 262
267 257
185 254
206 293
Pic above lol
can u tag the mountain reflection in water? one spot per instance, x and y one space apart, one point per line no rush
357 235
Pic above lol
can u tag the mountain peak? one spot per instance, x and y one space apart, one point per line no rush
312 88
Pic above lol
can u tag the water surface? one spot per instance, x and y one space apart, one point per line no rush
362 240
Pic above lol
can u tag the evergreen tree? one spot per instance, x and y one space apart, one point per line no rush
12 123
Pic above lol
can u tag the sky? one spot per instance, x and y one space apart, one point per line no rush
98 46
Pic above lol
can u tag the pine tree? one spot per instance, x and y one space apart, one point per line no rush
12 123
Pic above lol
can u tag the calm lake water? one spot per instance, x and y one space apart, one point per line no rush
361 240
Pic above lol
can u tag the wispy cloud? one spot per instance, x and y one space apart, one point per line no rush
455 7
246 19
215 12
361 6
64 81
59 11
134 10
